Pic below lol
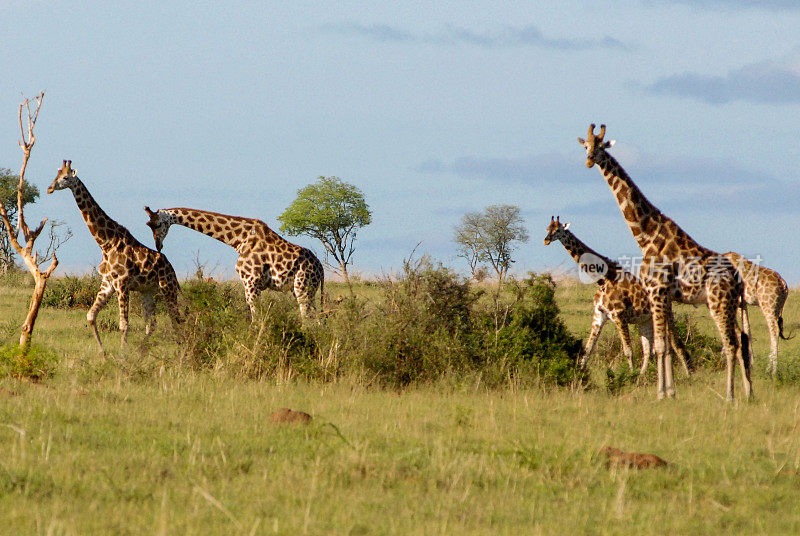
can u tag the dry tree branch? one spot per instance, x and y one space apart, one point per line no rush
30 257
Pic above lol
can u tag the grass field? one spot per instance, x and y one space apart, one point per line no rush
137 444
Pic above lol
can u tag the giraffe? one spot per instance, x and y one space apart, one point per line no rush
767 289
266 261
675 267
126 266
619 297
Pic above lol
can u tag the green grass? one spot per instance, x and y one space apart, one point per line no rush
139 443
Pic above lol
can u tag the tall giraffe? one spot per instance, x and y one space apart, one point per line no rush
266 261
619 297
767 289
126 266
674 267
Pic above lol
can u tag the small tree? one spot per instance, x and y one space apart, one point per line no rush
490 236
332 211
31 258
9 182
468 236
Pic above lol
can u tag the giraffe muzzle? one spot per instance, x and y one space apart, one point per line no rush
589 163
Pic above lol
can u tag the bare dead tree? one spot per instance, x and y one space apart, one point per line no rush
27 253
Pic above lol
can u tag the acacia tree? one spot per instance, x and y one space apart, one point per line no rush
9 182
491 236
332 211
31 258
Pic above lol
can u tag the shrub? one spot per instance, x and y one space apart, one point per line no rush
213 320
423 327
16 276
619 377
72 291
532 331
426 324
705 350
38 363
430 324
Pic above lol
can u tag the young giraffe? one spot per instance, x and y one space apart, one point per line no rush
266 261
619 297
674 267
127 265
767 289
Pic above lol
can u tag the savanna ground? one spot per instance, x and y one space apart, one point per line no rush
152 440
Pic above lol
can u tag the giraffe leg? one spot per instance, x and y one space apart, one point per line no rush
678 348
124 302
251 291
304 290
625 339
598 320
149 313
660 306
723 310
169 290
250 295
774 331
106 289
646 332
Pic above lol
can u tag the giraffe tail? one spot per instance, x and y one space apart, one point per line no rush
745 346
780 330
322 294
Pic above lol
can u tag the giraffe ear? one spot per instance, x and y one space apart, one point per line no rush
566 226
581 141
610 143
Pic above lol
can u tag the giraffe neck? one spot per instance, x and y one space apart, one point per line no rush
576 249
104 229
650 227
231 230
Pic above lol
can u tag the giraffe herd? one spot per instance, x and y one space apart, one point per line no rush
674 268
265 259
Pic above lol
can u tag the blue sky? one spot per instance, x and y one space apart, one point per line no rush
432 109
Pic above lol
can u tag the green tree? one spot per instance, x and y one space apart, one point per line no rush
332 211
8 197
491 236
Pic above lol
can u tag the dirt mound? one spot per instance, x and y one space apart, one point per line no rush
289 415
633 460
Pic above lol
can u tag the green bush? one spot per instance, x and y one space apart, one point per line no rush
37 363
423 328
424 325
71 291
532 331
619 377
705 350
214 319
16 276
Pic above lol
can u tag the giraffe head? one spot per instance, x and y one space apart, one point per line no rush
595 144
65 177
159 223
555 231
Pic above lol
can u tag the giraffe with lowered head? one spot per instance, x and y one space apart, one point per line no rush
266 261
127 265
767 289
675 267
619 298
